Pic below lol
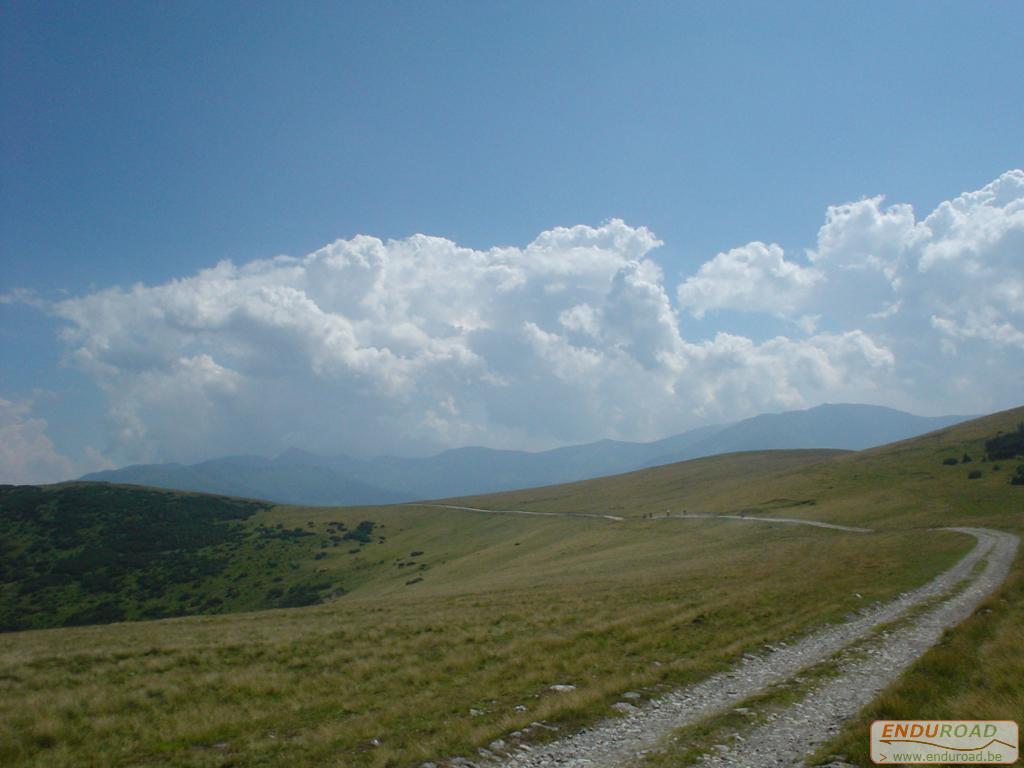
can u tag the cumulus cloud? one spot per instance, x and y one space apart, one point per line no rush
945 292
864 236
977 230
27 455
970 263
367 345
753 278
408 345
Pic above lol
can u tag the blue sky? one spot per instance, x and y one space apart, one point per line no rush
142 143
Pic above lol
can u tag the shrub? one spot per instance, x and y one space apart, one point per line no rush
950 461
104 613
974 474
1006 446
966 459
362 532
302 594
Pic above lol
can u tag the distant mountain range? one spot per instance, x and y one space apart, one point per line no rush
299 477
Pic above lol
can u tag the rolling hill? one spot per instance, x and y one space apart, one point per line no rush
455 624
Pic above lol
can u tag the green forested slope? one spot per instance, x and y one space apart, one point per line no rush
91 553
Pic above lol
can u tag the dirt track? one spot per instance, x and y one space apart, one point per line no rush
794 734
525 512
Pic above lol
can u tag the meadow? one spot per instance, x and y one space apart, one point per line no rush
456 624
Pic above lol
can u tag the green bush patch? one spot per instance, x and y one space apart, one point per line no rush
94 553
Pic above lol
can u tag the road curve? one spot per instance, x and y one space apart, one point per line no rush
619 741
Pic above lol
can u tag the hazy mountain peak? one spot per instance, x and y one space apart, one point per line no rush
300 476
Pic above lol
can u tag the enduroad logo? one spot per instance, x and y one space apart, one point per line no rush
944 742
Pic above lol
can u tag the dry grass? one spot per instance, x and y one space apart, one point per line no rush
510 605
648 604
714 483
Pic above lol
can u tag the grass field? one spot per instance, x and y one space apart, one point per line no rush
457 623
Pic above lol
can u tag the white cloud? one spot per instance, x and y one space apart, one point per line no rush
970 266
406 345
735 374
367 346
986 325
754 278
945 292
863 236
27 455
977 230
887 311
26 297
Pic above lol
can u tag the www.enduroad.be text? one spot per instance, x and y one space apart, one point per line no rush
949 757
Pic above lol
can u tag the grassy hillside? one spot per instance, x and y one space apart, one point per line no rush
446 664
457 623
906 484
717 483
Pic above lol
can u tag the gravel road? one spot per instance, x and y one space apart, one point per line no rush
619 741
796 732
784 520
524 512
